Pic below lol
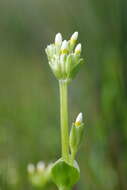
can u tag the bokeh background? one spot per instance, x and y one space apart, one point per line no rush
29 94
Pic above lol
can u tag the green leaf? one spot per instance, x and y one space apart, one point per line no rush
65 175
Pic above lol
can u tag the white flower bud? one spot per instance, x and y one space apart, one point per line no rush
74 37
79 119
64 47
49 166
30 168
78 49
40 166
58 39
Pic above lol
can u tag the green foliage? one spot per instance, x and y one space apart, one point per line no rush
29 120
65 175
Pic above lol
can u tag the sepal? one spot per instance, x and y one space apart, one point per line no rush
75 138
76 135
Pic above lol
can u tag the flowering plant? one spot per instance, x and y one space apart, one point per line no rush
64 58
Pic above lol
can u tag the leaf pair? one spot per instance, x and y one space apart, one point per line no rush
65 175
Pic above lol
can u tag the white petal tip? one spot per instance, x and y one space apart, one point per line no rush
74 36
79 119
78 48
64 47
58 39
40 166
30 168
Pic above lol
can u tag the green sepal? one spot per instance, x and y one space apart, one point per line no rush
75 138
76 68
65 175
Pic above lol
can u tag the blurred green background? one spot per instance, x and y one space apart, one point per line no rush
29 94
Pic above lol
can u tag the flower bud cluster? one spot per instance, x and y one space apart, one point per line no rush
64 57
39 175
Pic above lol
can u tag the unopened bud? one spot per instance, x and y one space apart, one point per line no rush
76 134
58 39
40 166
31 168
64 47
74 37
79 120
78 49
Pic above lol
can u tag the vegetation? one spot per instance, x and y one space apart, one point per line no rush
29 101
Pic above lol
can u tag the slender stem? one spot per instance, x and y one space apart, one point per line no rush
73 153
64 188
64 119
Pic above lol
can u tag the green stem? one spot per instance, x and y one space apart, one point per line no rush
64 119
73 154
64 188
